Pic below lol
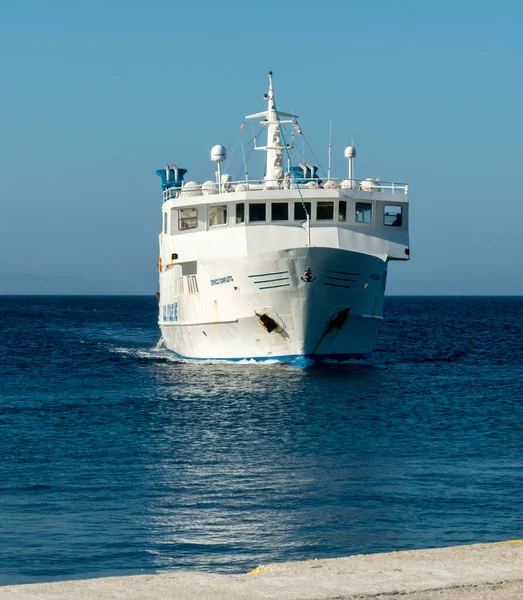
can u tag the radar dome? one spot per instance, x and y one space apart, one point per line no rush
370 185
350 152
331 185
218 153
191 188
210 187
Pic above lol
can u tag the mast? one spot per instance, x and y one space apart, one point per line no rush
274 171
274 149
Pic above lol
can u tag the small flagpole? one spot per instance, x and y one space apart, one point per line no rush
253 134
308 229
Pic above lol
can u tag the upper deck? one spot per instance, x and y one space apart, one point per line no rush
247 189
247 220
291 206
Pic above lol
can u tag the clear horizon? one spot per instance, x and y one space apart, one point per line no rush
97 96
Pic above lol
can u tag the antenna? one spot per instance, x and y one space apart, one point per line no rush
350 153
292 133
245 165
218 155
330 149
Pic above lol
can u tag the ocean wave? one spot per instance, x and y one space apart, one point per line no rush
159 353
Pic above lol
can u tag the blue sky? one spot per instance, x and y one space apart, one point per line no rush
95 96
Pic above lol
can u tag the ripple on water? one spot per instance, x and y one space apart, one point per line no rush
118 457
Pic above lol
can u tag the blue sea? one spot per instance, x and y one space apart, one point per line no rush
116 458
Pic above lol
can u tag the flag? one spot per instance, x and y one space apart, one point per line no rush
305 225
265 96
297 127
242 126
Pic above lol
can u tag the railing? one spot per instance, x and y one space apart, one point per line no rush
210 188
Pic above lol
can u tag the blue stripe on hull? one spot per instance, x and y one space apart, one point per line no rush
267 274
270 287
298 359
272 280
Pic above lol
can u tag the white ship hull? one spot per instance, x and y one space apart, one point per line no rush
287 267
312 302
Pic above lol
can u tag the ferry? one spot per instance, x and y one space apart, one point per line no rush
289 267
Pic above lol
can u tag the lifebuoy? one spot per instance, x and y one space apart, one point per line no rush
160 264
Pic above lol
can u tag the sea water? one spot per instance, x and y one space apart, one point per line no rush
115 458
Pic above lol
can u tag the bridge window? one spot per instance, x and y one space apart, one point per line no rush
324 211
280 211
257 212
240 213
299 211
217 215
342 211
363 212
187 218
165 222
392 215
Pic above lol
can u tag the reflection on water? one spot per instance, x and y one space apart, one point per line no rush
255 468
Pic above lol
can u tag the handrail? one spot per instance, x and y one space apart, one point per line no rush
335 183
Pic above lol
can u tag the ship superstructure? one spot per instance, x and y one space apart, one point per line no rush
289 266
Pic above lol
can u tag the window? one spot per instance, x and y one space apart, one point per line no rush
240 213
392 215
179 286
342 211
363 212
257 212
279 211
299 211
192 284
187 218
165 222
217 215
172 221
324 211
